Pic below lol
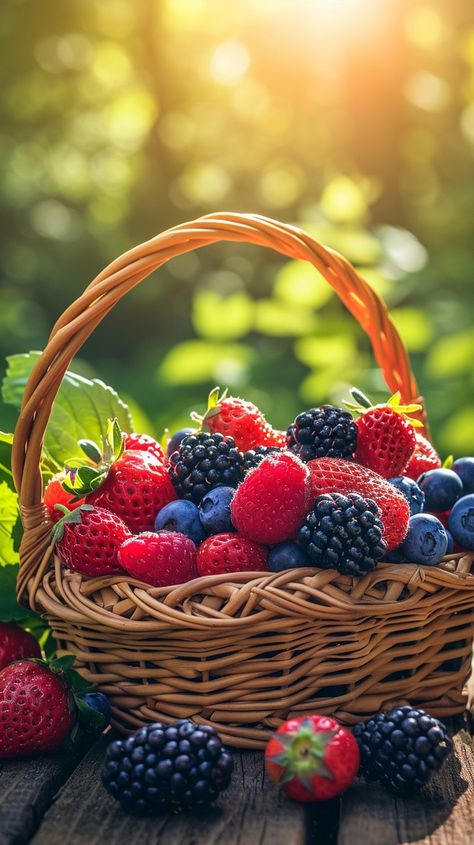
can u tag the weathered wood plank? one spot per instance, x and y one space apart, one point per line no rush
442 815
251 811
27 788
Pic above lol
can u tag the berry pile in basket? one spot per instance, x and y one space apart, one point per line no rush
342 488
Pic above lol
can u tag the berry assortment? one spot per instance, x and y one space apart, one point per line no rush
235 495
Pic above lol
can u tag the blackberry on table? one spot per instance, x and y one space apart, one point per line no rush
254 457
161 767
324 432
202 462
343 532
402 748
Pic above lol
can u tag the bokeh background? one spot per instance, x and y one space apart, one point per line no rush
351 118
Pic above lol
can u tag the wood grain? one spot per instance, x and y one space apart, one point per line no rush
27 788
442 815
250 812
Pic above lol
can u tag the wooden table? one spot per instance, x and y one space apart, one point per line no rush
59 800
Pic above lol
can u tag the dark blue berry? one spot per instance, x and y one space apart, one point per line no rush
461 522
214 511
176 439
442 488
414 496
204 461
287 555
426 541
323 432
464 467
182 516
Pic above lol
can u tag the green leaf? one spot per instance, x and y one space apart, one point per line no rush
300 285
80 411
217 317
196 361
91 450
10 610
89 718
283 319
8 520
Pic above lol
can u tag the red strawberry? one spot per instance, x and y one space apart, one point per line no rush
55 494
88 540
37 710
274 437
335 475
161 559
424 458
15 643
385 434
230 553
270 504
232 416
144 443
313 758
136 487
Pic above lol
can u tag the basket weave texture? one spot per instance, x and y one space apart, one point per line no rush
243 651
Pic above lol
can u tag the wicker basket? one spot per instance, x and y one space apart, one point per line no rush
244 651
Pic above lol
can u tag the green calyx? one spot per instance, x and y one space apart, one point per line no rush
87 717
83 477
213 402
70 518
361 405
303 755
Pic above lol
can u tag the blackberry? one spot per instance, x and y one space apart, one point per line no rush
324 432
344 533
402 748
161 767
254 457
203 461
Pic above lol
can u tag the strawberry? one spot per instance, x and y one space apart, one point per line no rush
161 559
274 437
271 503
144 443
313 758
230 553
385 434
37 711
237 418
335 475
55 494
424 458
88 539
15 643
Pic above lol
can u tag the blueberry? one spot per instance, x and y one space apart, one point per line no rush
464 467
287 555
214 510
426 541
100 703
176 439
414 496
450 542
182 516
461 522
442 488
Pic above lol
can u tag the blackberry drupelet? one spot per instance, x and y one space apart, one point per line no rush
179 766
324 432
402 748
343 532
254 457
202 462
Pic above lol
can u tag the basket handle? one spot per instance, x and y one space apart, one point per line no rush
80 319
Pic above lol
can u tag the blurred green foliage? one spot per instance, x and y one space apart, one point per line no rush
351 118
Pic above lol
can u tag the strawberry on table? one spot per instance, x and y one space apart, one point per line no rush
15 643
161 559
236 418
272 501
335 475
88 539
385 433
230 553
424 458
313 758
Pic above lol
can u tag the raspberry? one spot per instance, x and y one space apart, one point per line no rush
161 559
230 553
270 504
424 458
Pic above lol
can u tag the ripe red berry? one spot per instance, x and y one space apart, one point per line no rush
89 539
335 475
15 643
424 458
272 501
55 494
161 559
36 709
144 443
137 486
236 418
230 553
313 758
385 441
